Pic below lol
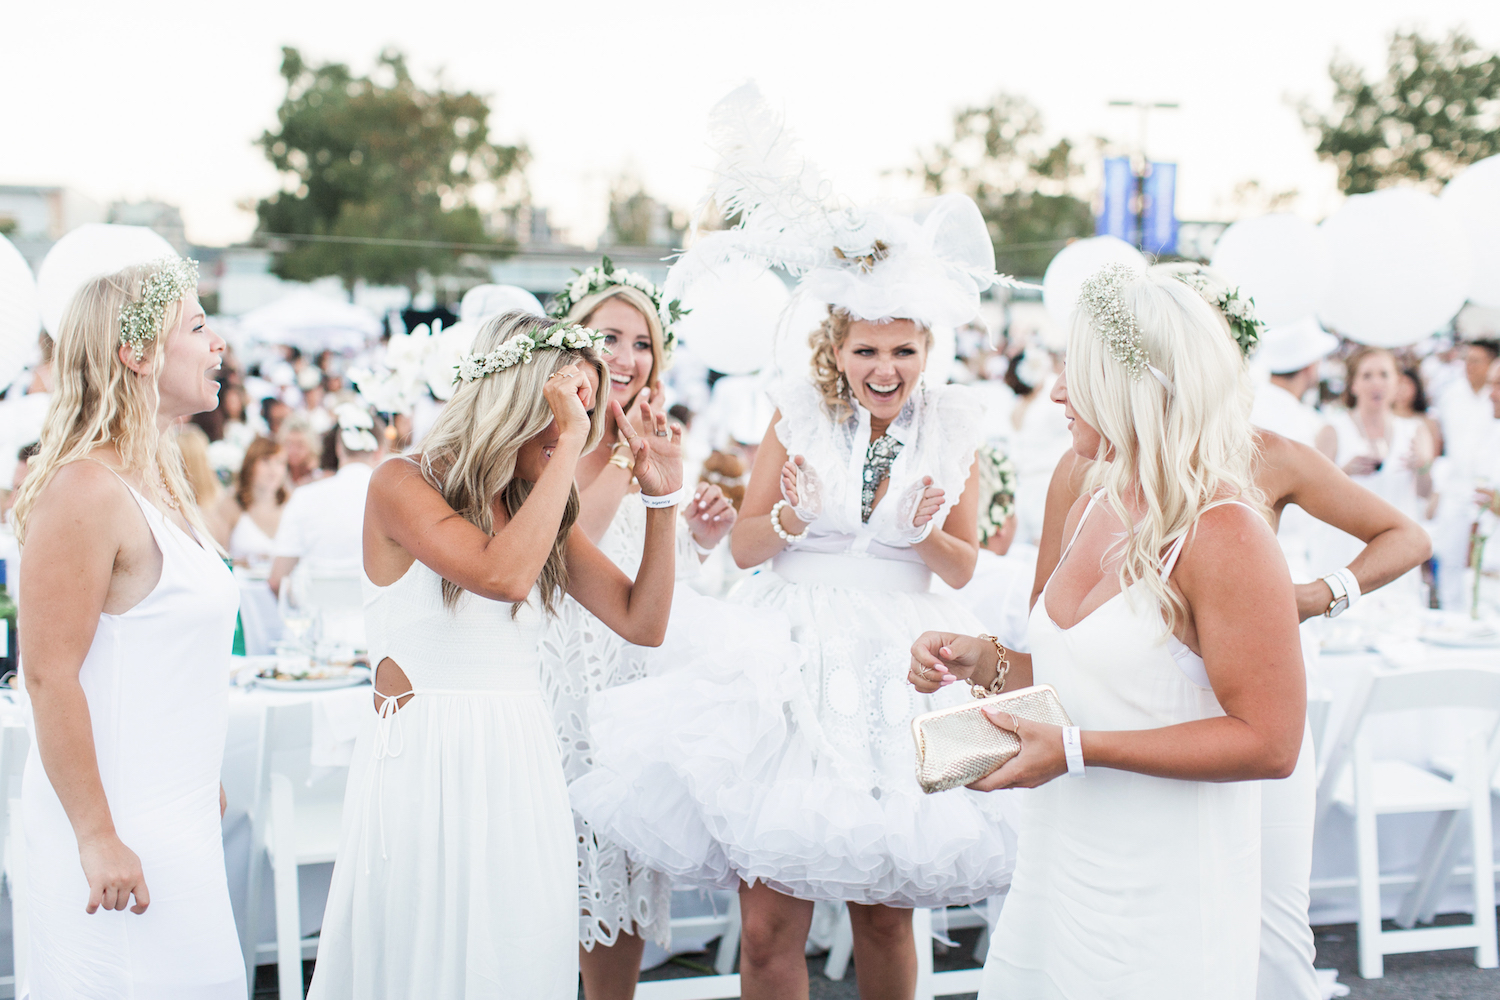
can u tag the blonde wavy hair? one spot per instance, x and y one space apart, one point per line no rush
641 302
469 455
98 401
825 341
1176 452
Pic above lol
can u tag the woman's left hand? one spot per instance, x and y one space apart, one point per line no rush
710 515
657 454
928 504
1041 758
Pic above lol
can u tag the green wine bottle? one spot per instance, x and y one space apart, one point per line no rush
10 650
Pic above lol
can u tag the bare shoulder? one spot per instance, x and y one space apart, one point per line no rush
397 475
1230 531
84 488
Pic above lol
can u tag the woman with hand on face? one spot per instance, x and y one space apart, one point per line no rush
127 619
622 903
1169 630
1389 455
457 871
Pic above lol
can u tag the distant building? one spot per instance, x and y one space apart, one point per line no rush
165 219
35 216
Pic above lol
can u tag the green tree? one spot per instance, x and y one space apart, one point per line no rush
379 157
1436 110
1024 186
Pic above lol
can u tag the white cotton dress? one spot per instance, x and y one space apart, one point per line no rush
1128 886
157 683
782 752
617 894
456 871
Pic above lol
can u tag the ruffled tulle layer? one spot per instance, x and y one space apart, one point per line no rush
770 741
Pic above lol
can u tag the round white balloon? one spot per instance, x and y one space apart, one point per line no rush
1075 264
91 251
1280 261
733 311
1473 197
20 316
800 318
1399 267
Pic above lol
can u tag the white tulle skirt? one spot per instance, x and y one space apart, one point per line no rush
771 741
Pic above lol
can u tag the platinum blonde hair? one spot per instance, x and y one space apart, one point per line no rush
99 401
641 302
1174 453
469 455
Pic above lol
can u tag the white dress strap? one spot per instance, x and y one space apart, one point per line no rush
1170 563
1093 499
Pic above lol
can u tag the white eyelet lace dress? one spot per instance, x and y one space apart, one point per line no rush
783 753
156 679
1129 886
456 872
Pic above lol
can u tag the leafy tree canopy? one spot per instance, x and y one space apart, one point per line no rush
380 157
1436 110
1023 185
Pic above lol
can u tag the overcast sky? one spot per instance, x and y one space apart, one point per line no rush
163 100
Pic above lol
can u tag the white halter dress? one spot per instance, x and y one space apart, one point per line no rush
1129 886
456 870
782 752
157 683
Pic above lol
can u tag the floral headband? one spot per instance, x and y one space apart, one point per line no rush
606 275
1238 311
1103 299
170 279
517 350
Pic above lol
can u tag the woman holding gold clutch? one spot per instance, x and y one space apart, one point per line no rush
1169 630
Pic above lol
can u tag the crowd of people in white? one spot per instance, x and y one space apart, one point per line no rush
568 720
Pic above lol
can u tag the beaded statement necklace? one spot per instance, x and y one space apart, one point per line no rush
878 458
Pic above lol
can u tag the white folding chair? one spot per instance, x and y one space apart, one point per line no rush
726 983
1368 788
295 821
339 598
14 745
929 983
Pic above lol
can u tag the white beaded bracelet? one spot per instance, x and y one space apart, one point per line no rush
666 499
1073 749
776 523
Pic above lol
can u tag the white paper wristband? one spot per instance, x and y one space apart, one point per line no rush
1073 749
666 499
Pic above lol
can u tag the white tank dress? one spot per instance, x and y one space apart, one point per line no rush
782 752
157 683
1126 885
456 870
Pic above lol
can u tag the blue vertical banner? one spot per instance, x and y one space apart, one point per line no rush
1159 215
1118 216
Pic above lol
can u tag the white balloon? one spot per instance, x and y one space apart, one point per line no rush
1473 197
733 311
483 301
1280 260
20 312
940 359
1075 264
800 318
1399 267
92 251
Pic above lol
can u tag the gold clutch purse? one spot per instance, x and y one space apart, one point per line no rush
958 745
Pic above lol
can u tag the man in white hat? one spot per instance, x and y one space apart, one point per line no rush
1292 353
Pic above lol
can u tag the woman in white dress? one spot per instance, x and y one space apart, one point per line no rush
259 496
1169 630
456 875
1387 454
127 618
622 903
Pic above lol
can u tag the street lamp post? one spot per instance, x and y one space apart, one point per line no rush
1141 167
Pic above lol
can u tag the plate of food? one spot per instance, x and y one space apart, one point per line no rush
300 674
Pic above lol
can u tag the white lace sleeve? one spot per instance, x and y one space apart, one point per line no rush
802 414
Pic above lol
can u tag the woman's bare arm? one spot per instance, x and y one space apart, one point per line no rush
636 610
752 540
952 552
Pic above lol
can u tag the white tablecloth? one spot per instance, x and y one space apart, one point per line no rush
1416 737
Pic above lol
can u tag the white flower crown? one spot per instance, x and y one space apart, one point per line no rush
606 275
517 350
170 279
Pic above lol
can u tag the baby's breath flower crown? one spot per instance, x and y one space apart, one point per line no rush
169 280
1101 298
517 350
606 275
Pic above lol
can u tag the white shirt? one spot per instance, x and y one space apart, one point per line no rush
1278 411
1466 417
324 521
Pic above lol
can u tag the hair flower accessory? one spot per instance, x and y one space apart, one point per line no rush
1237 309
1103 299
606 275
355 427
997 482
517 350
169 280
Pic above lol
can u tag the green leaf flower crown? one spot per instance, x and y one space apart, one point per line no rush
518 350
997 483
606 275
1238 310
170 279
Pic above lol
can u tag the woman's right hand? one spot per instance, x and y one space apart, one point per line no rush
1363 465
569 395
942 658
800 489
114 874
